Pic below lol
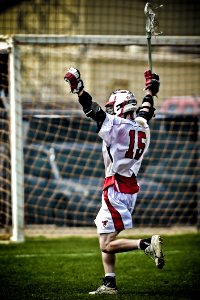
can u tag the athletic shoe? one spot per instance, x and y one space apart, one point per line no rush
103 289
108 287
154 250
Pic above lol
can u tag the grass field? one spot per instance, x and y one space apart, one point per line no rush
68 268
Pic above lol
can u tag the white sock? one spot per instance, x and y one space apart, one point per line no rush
110 274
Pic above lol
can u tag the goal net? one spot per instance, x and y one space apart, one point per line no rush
61 162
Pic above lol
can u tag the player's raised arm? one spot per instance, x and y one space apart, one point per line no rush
90 108
146 111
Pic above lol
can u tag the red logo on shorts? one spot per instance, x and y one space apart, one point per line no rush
104 223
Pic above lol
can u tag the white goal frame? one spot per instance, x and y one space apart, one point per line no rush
16 137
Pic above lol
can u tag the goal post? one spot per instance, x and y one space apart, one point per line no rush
16 146
55 154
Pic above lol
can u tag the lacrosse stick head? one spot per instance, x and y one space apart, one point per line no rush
152 24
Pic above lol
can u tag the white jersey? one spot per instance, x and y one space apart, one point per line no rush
124 144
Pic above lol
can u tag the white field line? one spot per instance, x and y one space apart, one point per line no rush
78 254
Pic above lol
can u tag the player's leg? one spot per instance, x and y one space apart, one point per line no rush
109 246
108 259
124 204
121 245
151 246
120 206
116 215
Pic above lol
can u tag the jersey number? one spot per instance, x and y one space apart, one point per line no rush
141 145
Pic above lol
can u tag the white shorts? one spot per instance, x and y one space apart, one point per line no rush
115 213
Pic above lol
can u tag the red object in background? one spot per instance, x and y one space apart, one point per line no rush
181 105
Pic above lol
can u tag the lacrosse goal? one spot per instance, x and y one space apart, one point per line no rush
51 164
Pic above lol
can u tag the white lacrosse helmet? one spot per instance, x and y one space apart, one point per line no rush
121 102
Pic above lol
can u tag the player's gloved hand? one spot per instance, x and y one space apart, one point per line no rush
73 78
152 82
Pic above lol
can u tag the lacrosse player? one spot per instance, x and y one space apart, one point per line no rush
125 133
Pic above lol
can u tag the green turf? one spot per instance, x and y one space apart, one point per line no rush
71 267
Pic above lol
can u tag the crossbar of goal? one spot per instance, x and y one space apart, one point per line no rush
107 39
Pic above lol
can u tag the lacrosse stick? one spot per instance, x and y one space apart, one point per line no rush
152 28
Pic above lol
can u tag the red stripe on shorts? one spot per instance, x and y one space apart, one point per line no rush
117 219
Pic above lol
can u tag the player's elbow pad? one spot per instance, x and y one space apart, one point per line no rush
92 109
148 115
148 98
144 111
96 113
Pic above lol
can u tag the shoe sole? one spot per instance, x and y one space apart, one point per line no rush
103 292
157 242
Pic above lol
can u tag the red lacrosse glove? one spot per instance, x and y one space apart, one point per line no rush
73 78
152 82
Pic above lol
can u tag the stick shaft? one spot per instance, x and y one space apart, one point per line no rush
149 52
